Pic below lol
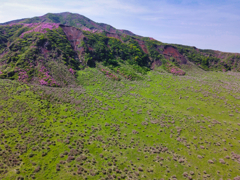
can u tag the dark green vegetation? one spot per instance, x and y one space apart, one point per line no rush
24 57
106 49
93 102
210 59
165 126
113 54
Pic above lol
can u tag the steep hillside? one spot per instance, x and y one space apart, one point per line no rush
37 53
60 50
49 49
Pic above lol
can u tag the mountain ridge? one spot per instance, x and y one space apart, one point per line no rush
80 21
74 42
45 18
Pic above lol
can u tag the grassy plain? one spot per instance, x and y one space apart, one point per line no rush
162 127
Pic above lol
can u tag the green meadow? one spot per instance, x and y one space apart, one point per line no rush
160 126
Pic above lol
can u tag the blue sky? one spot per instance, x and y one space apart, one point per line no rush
206 24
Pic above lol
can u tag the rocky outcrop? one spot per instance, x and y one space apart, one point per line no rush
75 36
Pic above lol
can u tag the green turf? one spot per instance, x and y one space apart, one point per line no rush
161 127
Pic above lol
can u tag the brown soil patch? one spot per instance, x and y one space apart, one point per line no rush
74 35
142 45
156 64
170 51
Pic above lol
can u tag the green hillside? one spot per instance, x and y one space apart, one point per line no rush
163 127
81 102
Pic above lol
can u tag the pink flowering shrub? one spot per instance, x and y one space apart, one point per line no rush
174 70
22 76
71 71
45 79
40 27
0 72
110 75
177 71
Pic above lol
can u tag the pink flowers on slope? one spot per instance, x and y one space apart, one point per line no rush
174 70
22 76
177 71
40 27
46 79
71 71
110 75
43 82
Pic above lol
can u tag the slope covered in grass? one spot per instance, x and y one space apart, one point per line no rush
160 127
